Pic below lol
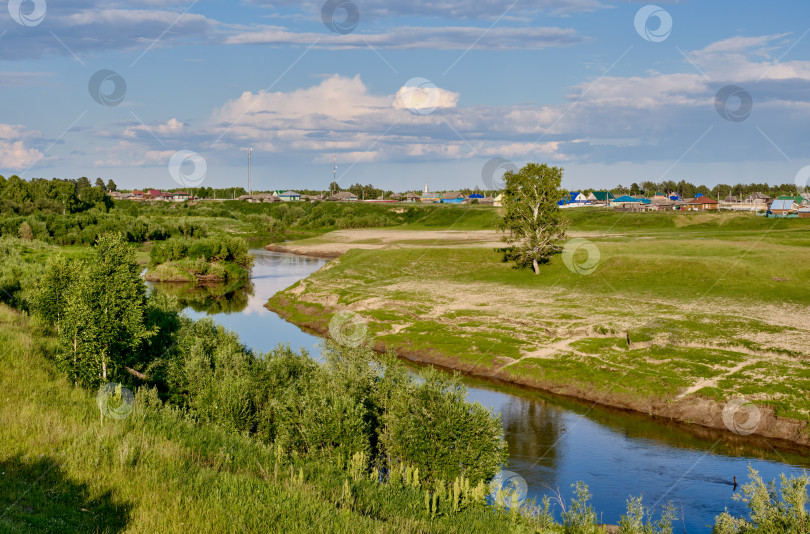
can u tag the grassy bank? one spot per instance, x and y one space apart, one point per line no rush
65 470
714 307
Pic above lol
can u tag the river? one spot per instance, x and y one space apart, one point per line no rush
552 442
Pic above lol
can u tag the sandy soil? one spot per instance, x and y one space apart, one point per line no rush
334 244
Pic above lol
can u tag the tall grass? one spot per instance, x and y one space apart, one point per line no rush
64 470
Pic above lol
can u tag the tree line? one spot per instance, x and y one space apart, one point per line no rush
689 190
58 196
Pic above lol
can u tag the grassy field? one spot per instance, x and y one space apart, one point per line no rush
62 469
714 306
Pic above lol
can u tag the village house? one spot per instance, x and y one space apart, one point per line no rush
701 203
662 204
798 199
288 196
600 197
452 197
758 198
261 197
344 196
784 207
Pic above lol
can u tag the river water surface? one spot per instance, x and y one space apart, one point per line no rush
552 442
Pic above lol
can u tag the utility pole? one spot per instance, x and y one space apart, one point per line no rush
250 190
334 173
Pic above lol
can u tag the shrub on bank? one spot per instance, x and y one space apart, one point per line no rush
353 404
212 250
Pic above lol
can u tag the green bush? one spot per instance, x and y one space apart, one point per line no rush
354 403
772 510
430 424
213 249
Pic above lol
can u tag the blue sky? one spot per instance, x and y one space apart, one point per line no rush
404 93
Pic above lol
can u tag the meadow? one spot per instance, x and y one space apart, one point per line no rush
213 442
682 312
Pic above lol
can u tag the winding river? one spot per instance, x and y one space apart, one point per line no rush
553 442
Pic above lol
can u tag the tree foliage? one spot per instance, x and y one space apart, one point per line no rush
533 223
25 232
214 249
55 285
98 308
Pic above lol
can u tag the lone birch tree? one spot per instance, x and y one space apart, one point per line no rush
104 320
533 223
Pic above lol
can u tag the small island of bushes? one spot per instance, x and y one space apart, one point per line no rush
207 260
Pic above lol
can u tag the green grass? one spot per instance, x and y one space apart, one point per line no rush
692 291
62 469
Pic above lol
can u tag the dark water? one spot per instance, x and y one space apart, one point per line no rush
553 442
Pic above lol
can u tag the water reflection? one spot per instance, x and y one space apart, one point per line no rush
555 443
209 298
258 327
533 431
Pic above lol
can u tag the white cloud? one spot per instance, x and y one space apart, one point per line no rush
415 38
85 27
13 152
424 98
654 117
171 128
480 10
338 98
129 154
340 115
748 59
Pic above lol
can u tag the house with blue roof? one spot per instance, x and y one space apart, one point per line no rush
783 207
578 198
288 196
452 197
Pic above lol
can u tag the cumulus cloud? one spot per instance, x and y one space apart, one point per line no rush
14 154
424 98
341 115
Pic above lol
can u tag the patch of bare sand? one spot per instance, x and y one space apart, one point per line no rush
338 242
